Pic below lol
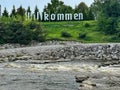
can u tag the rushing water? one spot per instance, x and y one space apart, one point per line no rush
22 75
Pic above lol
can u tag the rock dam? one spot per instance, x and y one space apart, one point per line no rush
63 52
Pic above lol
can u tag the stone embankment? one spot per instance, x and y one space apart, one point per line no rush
63 52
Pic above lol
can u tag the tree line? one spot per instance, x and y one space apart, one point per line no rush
55 6
14 28
107 13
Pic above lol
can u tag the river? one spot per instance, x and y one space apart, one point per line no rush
34 75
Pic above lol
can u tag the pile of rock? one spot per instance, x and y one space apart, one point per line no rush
107 52
11 46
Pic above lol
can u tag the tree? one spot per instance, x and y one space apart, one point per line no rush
21 12
13 13
95 9
83 8
3 32
24 32
57 6
52 7
5 13
0 10
36 12
108 15
90 14
29 12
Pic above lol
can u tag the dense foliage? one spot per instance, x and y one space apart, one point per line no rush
87 11
23 32
108 15
57 6
22 26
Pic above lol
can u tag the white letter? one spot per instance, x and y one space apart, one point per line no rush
41 16
68 16
46 16
80 16
60 16
75 16
52 16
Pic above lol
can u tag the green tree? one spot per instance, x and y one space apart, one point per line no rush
108 15
90 14
38 34
0 10
21 12
5 13
3 32
57 6
29 12
13 13
83 8
95 10
36 12
52 7
24 33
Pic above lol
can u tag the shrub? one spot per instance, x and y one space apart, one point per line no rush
18 32
115 38
66 34
4 32
87 25
82 36
38 33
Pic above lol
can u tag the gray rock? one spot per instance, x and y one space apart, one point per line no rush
80 79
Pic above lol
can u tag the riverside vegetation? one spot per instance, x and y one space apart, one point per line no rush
18 28
82 31
14 31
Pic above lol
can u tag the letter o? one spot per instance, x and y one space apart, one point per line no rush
53 16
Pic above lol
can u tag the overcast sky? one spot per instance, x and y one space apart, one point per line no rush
40 3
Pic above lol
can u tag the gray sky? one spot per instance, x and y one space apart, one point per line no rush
40 3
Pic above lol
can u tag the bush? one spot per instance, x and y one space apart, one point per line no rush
107 25
37 33
4 32
82 36
87 25
19 32
66 34
115 38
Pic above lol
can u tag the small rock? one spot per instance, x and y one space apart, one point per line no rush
80 79
90 83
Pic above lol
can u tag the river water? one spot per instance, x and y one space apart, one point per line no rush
28 75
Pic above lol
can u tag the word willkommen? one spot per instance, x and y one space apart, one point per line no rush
61 17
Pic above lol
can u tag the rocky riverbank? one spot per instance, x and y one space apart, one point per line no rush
60 66
64 51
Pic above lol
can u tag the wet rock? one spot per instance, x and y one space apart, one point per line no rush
80 79
87 87
89 83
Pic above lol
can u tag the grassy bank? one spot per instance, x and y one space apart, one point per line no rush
76 29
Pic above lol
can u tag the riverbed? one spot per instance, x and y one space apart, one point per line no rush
36 75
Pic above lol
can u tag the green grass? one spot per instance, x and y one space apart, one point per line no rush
54 30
